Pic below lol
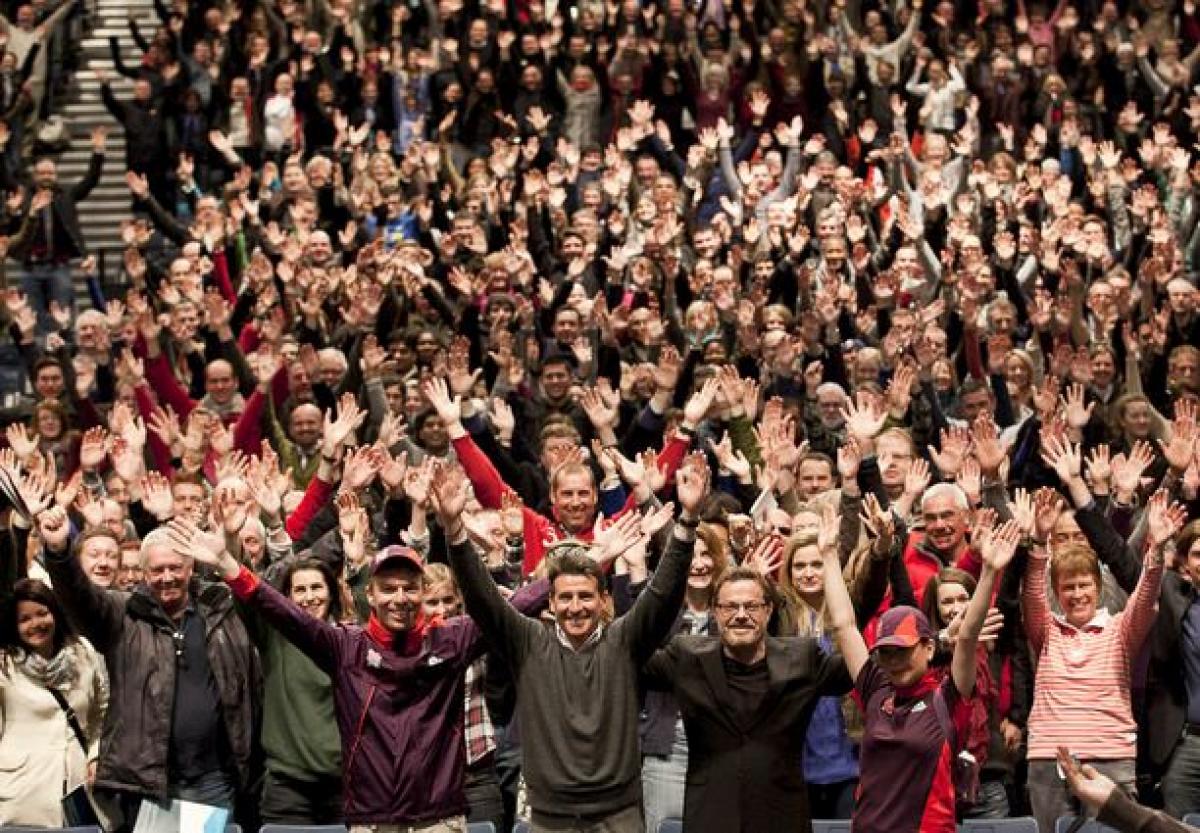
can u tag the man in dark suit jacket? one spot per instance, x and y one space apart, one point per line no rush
746 701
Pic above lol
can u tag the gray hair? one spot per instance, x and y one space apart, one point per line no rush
950 490
158 537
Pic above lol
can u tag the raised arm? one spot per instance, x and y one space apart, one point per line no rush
315 637
846 635
1163 520
99 613
507 629
650 620
997 547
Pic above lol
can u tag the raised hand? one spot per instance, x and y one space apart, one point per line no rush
188 539
361 467
1078 414
1178 450
956 443
1047 506
1021 510
989 450
865 419
337 431
1064 457
616 538
691 484
438 394
730 460
156 495
700 402
766 555
448 492
92 448
998 545
880 524
54 529
19 441
1127 471
1163 519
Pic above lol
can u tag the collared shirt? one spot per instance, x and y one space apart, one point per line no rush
479 733
589 642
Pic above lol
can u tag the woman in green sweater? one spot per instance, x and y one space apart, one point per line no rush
303 784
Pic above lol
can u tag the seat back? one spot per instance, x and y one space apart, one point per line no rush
1024 824
1193 819
831 826
1063 825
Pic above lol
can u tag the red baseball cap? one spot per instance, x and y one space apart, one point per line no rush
397 555
902 627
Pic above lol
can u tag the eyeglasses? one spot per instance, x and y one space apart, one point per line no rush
751 608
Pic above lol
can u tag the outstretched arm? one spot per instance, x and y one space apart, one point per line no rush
849 639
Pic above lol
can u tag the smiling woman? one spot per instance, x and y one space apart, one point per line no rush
44 667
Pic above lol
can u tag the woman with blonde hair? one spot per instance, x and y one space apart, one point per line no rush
830 751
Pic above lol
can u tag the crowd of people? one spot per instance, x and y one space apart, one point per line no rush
598 413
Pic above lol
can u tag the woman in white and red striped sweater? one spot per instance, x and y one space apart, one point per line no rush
1082 690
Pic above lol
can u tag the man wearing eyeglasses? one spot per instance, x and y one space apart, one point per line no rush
746 700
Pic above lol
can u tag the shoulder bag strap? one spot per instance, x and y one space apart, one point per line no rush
72 720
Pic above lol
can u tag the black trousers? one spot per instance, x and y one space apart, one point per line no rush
484 801
287 800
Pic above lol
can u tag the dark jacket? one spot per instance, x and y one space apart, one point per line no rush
746 775
134 634
65 206
400 713
660 711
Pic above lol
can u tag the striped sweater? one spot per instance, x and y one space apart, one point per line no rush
1081 696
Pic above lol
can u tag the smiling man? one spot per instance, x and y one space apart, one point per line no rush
944 510
184 676
397 685
577 691
746 700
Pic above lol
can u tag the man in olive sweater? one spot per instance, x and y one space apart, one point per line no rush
577 693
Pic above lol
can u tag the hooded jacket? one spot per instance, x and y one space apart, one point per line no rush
134 634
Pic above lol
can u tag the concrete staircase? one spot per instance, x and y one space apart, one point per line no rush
82 109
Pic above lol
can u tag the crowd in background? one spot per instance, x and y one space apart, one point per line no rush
873 309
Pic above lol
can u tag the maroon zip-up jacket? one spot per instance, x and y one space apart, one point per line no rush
399 710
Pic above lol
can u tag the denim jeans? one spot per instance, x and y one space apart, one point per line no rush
1050 797
1181 782
664 780
46 282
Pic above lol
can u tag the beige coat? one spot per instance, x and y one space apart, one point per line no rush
40 759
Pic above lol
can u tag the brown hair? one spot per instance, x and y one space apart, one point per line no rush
1073 560
740 573
946 575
